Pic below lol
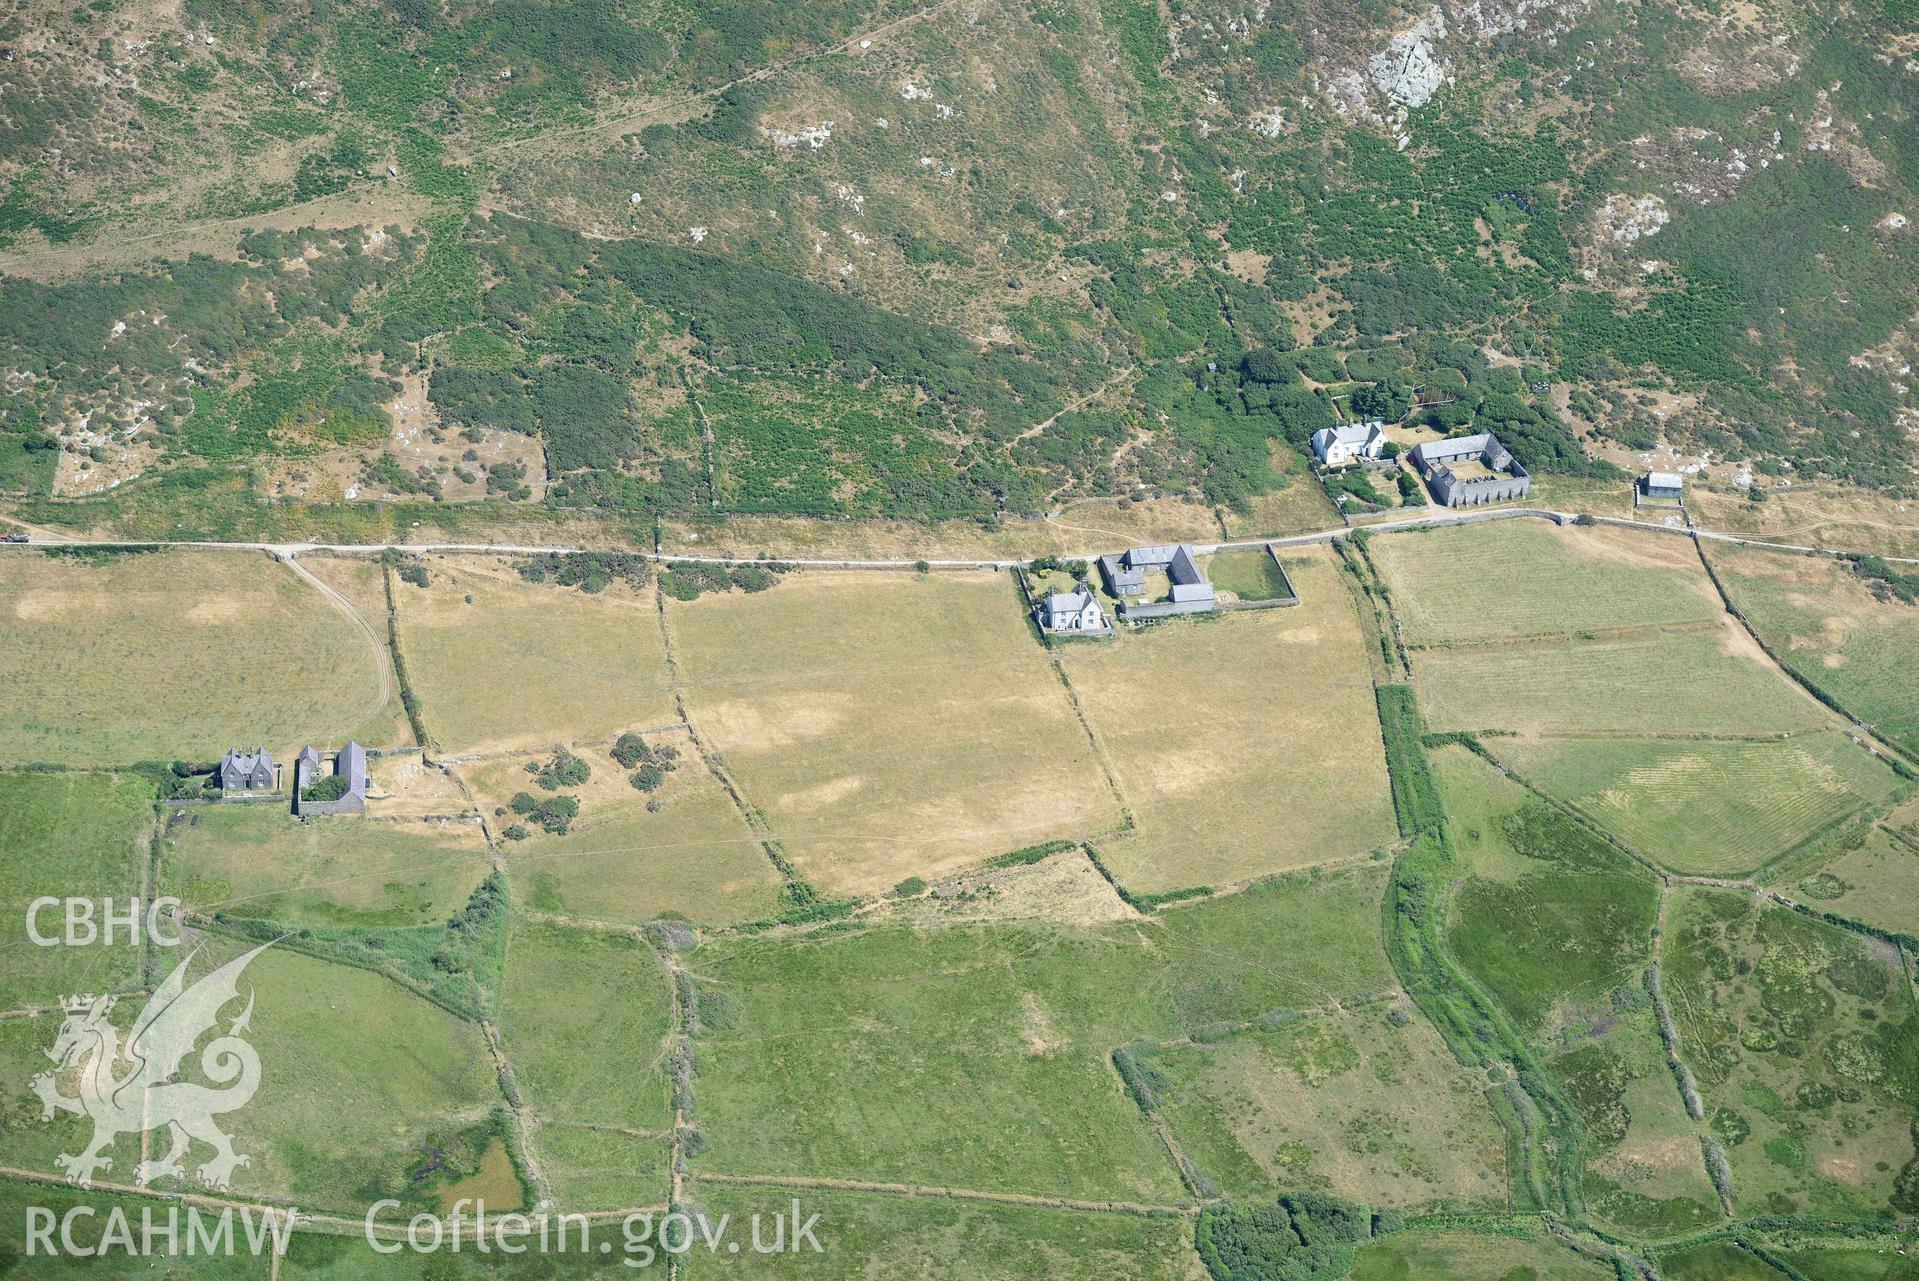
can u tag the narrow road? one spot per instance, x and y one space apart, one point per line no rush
1437 519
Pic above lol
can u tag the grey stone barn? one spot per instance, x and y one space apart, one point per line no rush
1664 484
244 771
1471 470
1126 576
349 763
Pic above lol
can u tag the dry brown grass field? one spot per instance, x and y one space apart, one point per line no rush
179 654
695 856
523 665
406 786
1710 680
1527 627
1823 514
1245 744
889 725
1080 528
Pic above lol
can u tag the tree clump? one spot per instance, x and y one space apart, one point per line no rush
1299 1236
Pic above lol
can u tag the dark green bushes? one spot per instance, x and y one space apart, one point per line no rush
591 572
555 814
689 580
563 770
1415 796
1300 1236
330 788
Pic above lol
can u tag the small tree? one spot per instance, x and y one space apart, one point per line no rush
330 788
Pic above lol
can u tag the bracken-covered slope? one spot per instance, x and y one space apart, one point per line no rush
967 259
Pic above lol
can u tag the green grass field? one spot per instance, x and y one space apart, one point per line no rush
259 861
61 836
1553 919
1716 1261
17 1200
596 1169
125 658
1823 623
1558 926
1366 1103
526 665
1806 1046
1519 578
357 1076
584 1022
1645 1172
1708 680
317 1256
1225 732
869 1235
1702 806
822 1068
1873 877
1439 1255
889 725
29 1142
1248 575
1888 1260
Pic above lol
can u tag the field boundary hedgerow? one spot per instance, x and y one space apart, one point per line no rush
826 1183
409 701
806 905
1474 1027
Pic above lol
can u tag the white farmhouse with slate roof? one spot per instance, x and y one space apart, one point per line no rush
1348 441
1074 611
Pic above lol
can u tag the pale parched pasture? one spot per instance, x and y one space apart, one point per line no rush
1826 626
621 861
524 665
888 725
1519 578
179 654
1245 744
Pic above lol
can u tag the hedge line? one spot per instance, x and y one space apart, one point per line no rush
1474 1027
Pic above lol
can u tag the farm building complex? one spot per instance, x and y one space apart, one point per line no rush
242 771
1470 470
1188 592
349 763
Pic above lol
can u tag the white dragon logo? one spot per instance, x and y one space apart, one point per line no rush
88 1050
